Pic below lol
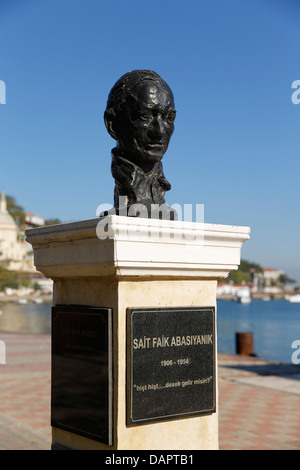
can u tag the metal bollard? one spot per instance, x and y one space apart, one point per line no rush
244 344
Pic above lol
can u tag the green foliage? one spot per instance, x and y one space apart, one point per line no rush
244 273
247 267
238 277
12 279
16 211
52 222
8 279
283 279
25 282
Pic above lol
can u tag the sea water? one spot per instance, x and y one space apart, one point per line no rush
25 318
275 325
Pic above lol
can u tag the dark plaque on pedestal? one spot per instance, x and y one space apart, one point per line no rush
81 398
170 363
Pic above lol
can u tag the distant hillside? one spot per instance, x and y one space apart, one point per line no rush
245 272
248 271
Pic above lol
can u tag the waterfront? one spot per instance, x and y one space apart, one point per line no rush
25 318
275 324
259 403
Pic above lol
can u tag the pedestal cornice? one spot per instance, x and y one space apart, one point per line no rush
134 247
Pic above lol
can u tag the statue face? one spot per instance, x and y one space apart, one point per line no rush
146 124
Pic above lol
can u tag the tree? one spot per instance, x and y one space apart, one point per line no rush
284 279
247 266
52 222
15 210
245 272
8 279
12 279
238 277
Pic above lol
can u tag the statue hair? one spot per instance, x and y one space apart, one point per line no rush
126 84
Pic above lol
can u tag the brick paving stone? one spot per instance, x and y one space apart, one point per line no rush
25 393
254 413
253 416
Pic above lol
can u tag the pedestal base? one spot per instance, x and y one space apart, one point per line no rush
200 432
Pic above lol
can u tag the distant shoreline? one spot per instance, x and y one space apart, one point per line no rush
29 298
49 298
256 296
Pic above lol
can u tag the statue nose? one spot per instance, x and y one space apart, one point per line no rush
157 126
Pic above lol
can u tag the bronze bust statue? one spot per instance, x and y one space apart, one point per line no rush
140 116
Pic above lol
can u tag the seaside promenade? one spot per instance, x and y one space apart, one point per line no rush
259 401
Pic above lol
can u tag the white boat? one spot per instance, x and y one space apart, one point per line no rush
22 301
243 299
243 295
293 298
38 301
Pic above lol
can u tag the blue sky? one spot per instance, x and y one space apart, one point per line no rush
230 65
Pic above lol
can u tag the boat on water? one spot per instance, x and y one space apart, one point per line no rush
22 301
295 298
243 296
243 299
38 301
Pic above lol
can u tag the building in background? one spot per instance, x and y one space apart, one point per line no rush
33 220
271 276
15 252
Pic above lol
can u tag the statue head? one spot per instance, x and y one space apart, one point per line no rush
140 116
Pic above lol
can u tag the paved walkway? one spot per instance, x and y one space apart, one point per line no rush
259 402
25 392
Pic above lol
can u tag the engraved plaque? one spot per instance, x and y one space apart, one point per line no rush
81 398
170 363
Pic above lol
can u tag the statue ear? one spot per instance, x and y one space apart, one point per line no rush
109 119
